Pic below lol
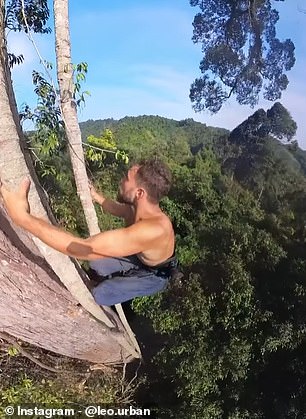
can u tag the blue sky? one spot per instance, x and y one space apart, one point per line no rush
142 61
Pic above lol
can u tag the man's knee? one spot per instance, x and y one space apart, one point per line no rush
103 295
103 267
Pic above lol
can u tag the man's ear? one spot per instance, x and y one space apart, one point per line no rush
140 193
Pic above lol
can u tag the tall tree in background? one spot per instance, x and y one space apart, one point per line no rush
34 306
242 55
276 122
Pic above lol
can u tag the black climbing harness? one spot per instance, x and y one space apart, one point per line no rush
165 269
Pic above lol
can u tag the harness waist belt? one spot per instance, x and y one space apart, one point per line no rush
165 268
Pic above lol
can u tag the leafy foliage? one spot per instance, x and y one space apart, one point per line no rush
234 328
30 15
242 55
69 390
35 11
15 59
236 316
80 71
46 116
100 148
276 122
147 135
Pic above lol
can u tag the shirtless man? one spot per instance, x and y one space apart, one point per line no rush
146 245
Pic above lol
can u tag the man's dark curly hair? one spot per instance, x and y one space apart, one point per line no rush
155 177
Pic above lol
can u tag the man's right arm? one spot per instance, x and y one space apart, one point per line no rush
111 206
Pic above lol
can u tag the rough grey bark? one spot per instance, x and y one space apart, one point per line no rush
14 165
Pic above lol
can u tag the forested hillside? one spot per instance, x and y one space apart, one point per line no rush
229 339
154 134
136 134
234 329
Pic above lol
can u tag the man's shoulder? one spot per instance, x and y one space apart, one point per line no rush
165 221
158 219
158 225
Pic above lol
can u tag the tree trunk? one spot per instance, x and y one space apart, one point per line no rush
69 112
35 307
73 132
15 163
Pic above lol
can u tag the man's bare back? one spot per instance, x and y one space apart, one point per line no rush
149 216
163 248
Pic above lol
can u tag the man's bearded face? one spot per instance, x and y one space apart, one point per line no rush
128 187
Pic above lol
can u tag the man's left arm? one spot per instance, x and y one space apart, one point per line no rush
57 238
115 243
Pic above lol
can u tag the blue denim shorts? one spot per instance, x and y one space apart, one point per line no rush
129 279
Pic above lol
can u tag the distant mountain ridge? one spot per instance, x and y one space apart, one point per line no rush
151 126
156 132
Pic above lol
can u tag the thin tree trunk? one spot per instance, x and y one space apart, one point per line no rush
73 132
69 112
14 165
